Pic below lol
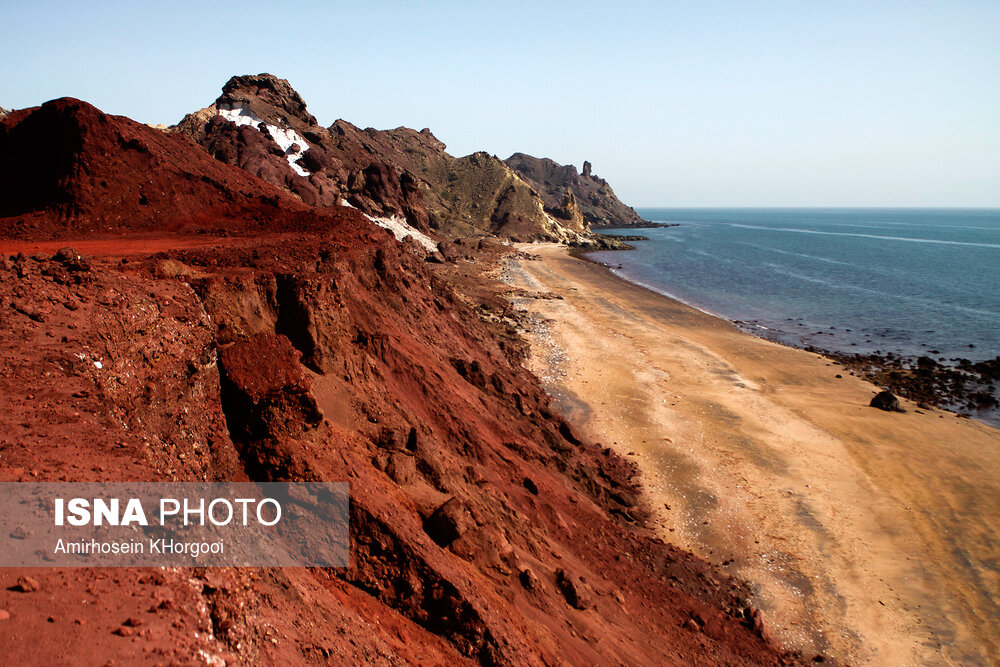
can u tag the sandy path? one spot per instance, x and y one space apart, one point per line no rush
872 536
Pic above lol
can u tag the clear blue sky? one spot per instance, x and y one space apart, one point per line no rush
676 103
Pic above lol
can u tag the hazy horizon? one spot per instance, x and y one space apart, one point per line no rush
715 104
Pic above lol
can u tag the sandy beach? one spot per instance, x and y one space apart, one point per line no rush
866 535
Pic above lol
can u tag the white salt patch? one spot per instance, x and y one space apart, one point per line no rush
400 228
284 137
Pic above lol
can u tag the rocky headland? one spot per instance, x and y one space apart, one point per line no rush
572 193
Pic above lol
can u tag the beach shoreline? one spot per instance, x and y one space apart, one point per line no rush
961 386
865 535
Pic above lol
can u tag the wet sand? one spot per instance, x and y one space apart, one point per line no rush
873 537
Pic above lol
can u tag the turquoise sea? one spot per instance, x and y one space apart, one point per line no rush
908 281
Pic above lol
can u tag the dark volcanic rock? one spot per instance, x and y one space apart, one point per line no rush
384 173
885 400
953 384
267 89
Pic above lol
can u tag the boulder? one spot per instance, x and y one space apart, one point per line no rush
885 400
576 591
27 585
401 468
72 260
448 522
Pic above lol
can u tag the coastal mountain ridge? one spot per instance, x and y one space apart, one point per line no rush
261 124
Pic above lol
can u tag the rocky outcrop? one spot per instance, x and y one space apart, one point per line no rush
400 172
265 390
595 199
568 213
263 93
3 112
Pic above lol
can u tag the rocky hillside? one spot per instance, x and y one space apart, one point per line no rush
563 187
484 530
261 124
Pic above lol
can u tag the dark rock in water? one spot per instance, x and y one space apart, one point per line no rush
926 362
885 400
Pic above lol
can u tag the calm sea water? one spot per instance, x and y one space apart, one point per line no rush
908 281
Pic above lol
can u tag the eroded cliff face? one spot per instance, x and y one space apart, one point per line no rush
482 526
260 124
597 202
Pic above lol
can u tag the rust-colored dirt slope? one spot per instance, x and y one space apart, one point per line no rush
482 528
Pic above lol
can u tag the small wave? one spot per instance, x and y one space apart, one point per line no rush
929 303
866 236
802 255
